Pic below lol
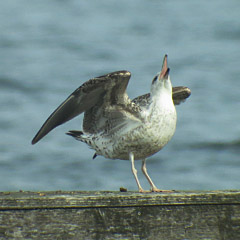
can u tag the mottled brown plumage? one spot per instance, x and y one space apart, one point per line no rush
116 126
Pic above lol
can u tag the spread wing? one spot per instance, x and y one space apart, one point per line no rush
179 94
108 91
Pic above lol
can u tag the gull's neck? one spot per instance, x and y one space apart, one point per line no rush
161 93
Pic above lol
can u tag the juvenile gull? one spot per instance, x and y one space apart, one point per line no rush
117 127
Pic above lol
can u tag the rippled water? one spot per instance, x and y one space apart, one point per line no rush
49 48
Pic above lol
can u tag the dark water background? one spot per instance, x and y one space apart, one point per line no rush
49 48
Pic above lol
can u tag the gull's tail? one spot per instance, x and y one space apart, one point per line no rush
75 134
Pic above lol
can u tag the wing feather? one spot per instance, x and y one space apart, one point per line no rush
110 87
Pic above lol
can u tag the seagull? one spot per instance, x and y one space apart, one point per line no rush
117 127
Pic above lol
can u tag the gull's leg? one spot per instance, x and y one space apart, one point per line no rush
153 187
134 171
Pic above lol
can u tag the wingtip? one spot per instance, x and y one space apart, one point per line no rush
38 137
180 94
34 141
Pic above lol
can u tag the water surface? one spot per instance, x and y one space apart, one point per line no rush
49 48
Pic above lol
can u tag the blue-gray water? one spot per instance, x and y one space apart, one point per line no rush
49 48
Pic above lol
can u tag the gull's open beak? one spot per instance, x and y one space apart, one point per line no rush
165 70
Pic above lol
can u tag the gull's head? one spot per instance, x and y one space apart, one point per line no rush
162 80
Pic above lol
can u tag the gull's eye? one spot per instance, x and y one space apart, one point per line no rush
155 79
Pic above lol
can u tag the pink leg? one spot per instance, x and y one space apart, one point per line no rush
153 187
134 171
